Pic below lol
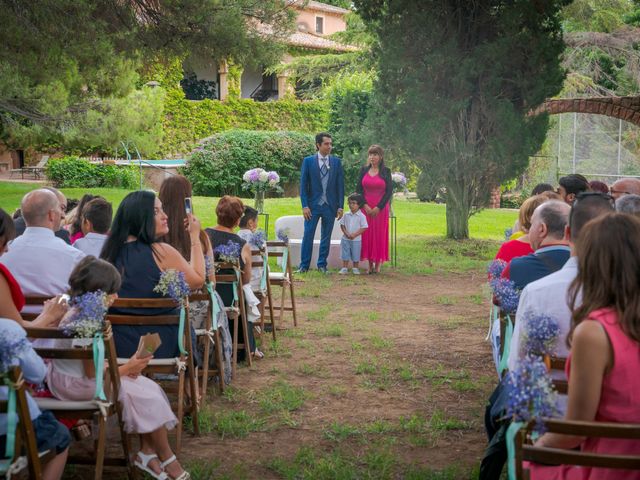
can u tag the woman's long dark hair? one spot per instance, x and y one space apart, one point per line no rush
608 250
172 193
135 216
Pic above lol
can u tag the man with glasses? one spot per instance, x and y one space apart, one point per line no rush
625 186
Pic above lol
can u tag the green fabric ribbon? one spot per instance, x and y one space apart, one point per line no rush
285 257
511 448
215 308
98 362
181 330
265 272
12 422
508 333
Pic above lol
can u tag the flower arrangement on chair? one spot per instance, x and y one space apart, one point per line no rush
172 284
258 180
228 252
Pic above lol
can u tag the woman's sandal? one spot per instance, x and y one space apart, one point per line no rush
183 476
144 465
81 430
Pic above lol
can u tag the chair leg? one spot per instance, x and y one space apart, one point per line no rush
234 361
205 368
180 411
247 347
282 299
269 299
100 446
219 360
293 303
193 406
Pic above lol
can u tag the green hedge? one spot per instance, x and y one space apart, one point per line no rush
217 167
187 121
69 172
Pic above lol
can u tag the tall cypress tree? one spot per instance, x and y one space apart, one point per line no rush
456 79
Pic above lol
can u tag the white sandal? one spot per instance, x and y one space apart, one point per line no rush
183 476
144 465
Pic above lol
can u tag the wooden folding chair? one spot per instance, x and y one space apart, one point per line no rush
90 409
557 456
210 335
266 300
282 279
180 365
34 301
25 434
557 364
236 311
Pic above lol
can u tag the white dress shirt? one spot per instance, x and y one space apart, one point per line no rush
41 262
91 243
547 296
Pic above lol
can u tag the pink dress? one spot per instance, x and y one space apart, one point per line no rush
375 239
619 402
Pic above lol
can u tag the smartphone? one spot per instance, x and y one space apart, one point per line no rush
64 298
188 207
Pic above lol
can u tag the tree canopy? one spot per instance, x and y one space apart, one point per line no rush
455 82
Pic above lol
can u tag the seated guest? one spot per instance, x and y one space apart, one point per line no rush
11 297
40 262
145 408
546 236
520 246
549 295
248 226
541 188
96 222
60 232
173 192
605 346
598 186
75 223
625 186
229 211
571 185
133 248
50 434
629 204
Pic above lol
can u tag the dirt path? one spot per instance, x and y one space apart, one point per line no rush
384 374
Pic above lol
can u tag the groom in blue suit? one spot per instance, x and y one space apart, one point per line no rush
322 197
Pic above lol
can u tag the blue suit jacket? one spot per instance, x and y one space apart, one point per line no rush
311 185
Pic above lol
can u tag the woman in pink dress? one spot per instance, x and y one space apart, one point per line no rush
377 188
604 361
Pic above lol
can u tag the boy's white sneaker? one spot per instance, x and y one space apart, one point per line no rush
343 271
356 271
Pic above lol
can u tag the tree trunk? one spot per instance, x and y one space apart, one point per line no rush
458 206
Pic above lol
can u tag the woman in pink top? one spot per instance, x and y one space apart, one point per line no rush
376 186
605 345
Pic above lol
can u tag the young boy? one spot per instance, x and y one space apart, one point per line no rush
353 224
96 221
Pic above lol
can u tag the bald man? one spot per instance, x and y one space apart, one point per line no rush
60 232
625 186
41 262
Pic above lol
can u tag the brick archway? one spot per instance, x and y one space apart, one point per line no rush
624 108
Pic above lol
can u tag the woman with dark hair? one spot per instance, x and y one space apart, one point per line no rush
133 248
376 186
11 298
229 211
605 345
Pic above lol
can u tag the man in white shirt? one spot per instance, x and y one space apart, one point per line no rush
96 221
549 295
41 262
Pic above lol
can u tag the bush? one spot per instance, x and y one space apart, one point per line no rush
70 172
217 167
426 189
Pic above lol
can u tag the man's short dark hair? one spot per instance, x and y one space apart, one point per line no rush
99 212
250 213
320 136
574 183
356 197
585 208
540 188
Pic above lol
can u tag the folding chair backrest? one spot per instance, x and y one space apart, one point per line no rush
279 249
557 364
24 431
34 301
556 456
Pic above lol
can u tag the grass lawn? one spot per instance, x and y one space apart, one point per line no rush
414 218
